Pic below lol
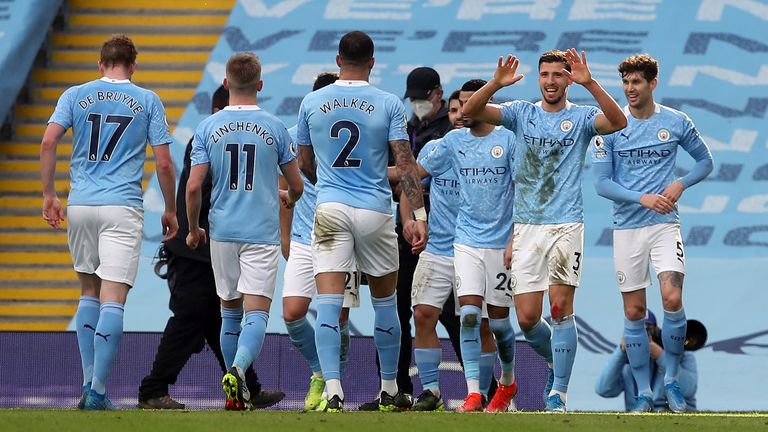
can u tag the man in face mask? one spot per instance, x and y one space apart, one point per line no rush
430 111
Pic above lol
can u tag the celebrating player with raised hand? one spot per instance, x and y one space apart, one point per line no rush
112 120
242 145
635 168
553 136
344 133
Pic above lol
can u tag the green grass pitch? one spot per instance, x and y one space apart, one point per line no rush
284 421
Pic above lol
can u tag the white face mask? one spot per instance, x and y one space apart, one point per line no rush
421 108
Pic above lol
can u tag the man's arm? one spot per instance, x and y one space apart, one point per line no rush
478 107
307 163
411 186
695 146
610 383
166 177
294 181
53 211
194 200
286 221
612 119
606 187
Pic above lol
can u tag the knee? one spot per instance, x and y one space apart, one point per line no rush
424 318
634 312
673 301
527 321
293 313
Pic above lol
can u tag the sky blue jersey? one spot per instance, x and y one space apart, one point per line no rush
349 125
244 146
485 169
112 121
642 158
444 200
550 152
304 211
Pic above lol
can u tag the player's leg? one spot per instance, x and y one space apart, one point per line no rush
565 259
433 283
668 258
119 244
376 251
225 261
631 255
529 282
82 238
351 300
298 289
487 359
333 249
470 286
258 271
499 298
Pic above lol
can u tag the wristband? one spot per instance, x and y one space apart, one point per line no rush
420 214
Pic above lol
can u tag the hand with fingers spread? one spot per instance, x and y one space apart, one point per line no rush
580 72
674 191
506 71
53 211
658 203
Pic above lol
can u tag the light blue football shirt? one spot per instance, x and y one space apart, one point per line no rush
485 169
112 121
244 146
550 153
643 157
444 201
304 210
349 125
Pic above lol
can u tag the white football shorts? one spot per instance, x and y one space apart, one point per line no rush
346 238
433 280
299 278
661 245
544 255
106 241
244 268
481 272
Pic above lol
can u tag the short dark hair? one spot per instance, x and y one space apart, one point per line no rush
473 85
356 48
555 56
643 63
220 98
118 50
324 79
454 95
243 72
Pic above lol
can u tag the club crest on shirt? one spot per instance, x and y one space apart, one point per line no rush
566 125
663 135
621 277
497 151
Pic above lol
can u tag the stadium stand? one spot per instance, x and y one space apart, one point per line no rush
38 289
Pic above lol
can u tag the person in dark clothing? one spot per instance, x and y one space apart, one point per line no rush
195 305
429 121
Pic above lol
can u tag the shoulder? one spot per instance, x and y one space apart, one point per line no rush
673 116
518 105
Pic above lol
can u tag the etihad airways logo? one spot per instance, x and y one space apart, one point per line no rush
548 142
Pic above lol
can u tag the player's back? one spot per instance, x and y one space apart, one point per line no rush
349 125
244 146
112 121
444 206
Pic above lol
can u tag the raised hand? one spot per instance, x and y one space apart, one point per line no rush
506 71
579 73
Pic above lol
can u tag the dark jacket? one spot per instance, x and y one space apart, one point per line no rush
422 132
178 245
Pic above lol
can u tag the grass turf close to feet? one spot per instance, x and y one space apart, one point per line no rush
285 421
